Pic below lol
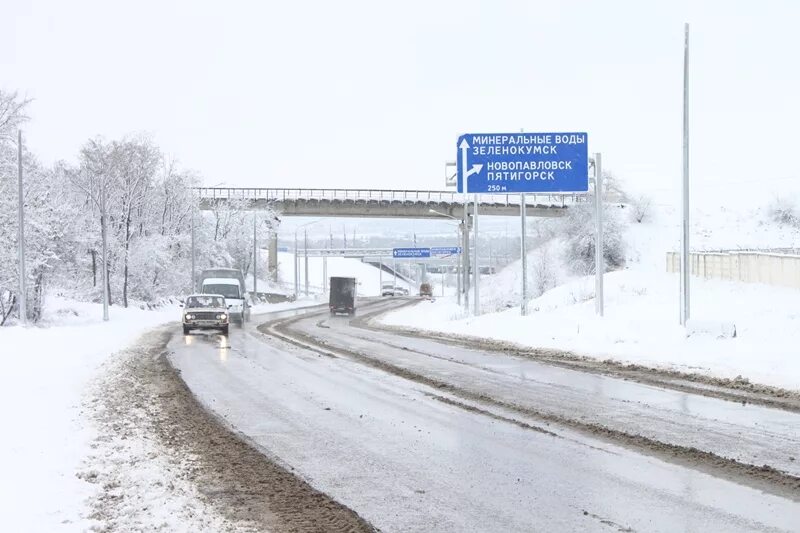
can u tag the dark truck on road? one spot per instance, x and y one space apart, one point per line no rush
343 296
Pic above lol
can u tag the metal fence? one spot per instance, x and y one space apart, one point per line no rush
380 195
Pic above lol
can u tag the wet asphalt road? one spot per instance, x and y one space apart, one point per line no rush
406 458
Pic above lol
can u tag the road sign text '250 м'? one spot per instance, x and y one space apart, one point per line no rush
507 163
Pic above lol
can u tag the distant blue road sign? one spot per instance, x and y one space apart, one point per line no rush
411 253
506 163
445 250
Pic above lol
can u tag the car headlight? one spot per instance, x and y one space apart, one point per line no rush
189 317
223 316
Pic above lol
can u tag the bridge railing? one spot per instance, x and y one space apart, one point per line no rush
388 195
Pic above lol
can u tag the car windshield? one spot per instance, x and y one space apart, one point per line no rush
204 301
228 291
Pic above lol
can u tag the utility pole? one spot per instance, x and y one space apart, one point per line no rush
296 268
255 258
23 289
104 236
523 248
599 261
685 257
305 253
194 272
324 275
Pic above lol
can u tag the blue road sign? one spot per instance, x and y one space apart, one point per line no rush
283 248
506 163
445 250
411 253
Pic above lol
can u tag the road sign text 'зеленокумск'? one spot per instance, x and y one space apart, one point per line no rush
508 163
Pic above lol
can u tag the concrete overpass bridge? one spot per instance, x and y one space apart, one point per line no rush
382 203
378 203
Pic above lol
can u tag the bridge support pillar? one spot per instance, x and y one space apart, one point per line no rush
273 256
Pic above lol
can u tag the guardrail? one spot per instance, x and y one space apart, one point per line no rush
390 195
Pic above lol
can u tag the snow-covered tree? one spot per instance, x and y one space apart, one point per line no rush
579 226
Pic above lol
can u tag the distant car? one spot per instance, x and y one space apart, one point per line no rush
425 290
400 291
388 289
205 311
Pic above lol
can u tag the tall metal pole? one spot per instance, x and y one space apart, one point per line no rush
523 249
324 275
477 286
305 253
465 186
599 262
380 273
23 289
459 270
466 264
685 205
255 258
104 236
296 268
194 271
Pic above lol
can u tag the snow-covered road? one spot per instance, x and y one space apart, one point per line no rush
408 455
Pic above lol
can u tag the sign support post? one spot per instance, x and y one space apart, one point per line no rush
477 286
523 246
464 146
599 261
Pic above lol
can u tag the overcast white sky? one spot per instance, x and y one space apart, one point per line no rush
375 94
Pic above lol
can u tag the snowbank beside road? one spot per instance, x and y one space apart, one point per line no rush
48 431
46 434
641 325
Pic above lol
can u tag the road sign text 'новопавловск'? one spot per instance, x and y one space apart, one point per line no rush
506 163
444 251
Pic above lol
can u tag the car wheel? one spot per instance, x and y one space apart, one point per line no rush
224 330
185 330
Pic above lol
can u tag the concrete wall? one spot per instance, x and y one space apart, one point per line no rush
750 267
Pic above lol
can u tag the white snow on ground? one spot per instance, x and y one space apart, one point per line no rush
47 370
640 325
642 308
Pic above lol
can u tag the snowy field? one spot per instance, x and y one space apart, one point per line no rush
47 373
641 303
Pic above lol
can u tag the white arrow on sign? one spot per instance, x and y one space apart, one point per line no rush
475 168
